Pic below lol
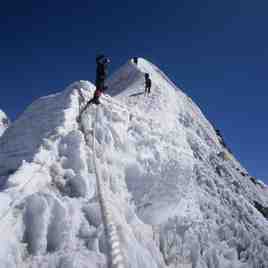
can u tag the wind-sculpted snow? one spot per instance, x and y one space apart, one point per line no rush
49 203
177 196
181 182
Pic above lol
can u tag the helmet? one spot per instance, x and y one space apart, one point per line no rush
146 75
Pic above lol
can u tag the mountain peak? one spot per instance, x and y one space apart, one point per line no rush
175 194
129 78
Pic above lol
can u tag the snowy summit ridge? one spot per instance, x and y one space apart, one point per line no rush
177 196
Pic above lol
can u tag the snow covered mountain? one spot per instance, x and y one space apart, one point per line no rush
169 190
4 122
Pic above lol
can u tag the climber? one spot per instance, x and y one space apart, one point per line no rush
148 84
101 75
135 60
102 71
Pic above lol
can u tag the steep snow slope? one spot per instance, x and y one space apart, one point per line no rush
47 137
4 122
204 206
49 212
176 201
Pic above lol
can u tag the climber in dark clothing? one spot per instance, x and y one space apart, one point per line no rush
102 71
135 60
148 84
101 75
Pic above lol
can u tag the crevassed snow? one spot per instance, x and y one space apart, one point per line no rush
175 201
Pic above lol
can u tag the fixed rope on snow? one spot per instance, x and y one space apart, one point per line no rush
115 254
116 259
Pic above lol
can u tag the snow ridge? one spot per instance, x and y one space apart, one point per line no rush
175 193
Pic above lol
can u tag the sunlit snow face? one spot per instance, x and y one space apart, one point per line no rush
159 151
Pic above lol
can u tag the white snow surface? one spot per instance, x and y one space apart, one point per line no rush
175 201
4 122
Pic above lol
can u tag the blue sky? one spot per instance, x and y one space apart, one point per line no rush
217 51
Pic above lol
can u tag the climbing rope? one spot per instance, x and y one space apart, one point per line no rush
116 259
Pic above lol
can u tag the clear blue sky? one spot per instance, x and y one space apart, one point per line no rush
217 51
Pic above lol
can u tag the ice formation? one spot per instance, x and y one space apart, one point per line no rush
177 195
